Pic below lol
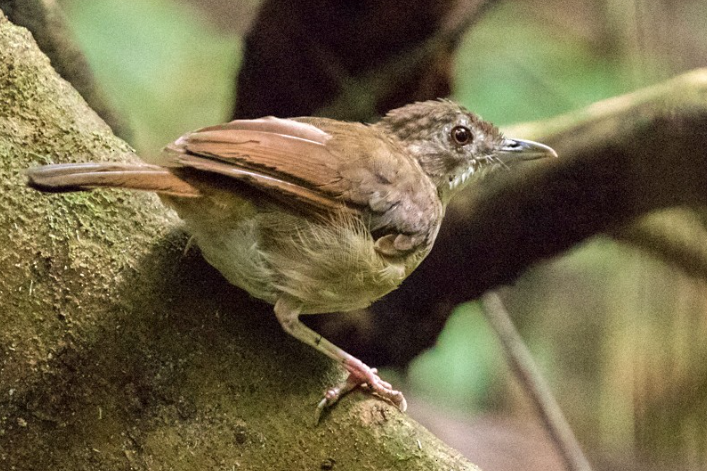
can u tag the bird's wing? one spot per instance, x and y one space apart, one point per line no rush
320 167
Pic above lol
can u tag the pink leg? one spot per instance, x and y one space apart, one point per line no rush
287 313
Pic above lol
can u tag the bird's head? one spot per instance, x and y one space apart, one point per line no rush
453 144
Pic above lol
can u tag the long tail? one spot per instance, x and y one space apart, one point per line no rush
61 178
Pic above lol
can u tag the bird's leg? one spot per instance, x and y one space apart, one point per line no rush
288 312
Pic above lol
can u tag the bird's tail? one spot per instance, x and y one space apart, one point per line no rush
61 178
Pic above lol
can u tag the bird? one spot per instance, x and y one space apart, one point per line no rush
315 215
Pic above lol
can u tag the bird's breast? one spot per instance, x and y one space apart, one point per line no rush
327 266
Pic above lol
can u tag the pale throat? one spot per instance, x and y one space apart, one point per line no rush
448 175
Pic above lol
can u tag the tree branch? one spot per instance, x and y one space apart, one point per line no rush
676 236
539 392
349 60
45 20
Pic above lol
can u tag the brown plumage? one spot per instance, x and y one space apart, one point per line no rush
310 214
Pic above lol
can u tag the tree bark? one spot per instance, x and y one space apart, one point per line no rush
118 351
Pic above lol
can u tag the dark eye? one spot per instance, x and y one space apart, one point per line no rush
462 135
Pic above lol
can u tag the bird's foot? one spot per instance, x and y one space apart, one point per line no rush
360 375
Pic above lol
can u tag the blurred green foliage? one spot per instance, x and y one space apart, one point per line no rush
510 70
162 64
459 371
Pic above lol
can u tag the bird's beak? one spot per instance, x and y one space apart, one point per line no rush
515 150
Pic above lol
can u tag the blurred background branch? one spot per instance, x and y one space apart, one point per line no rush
45 20
674 236
349 60
522 363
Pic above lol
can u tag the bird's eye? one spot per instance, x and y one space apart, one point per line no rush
462 135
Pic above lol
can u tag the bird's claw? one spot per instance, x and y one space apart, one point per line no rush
363 376
333 394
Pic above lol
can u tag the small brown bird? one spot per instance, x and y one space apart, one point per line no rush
315 215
